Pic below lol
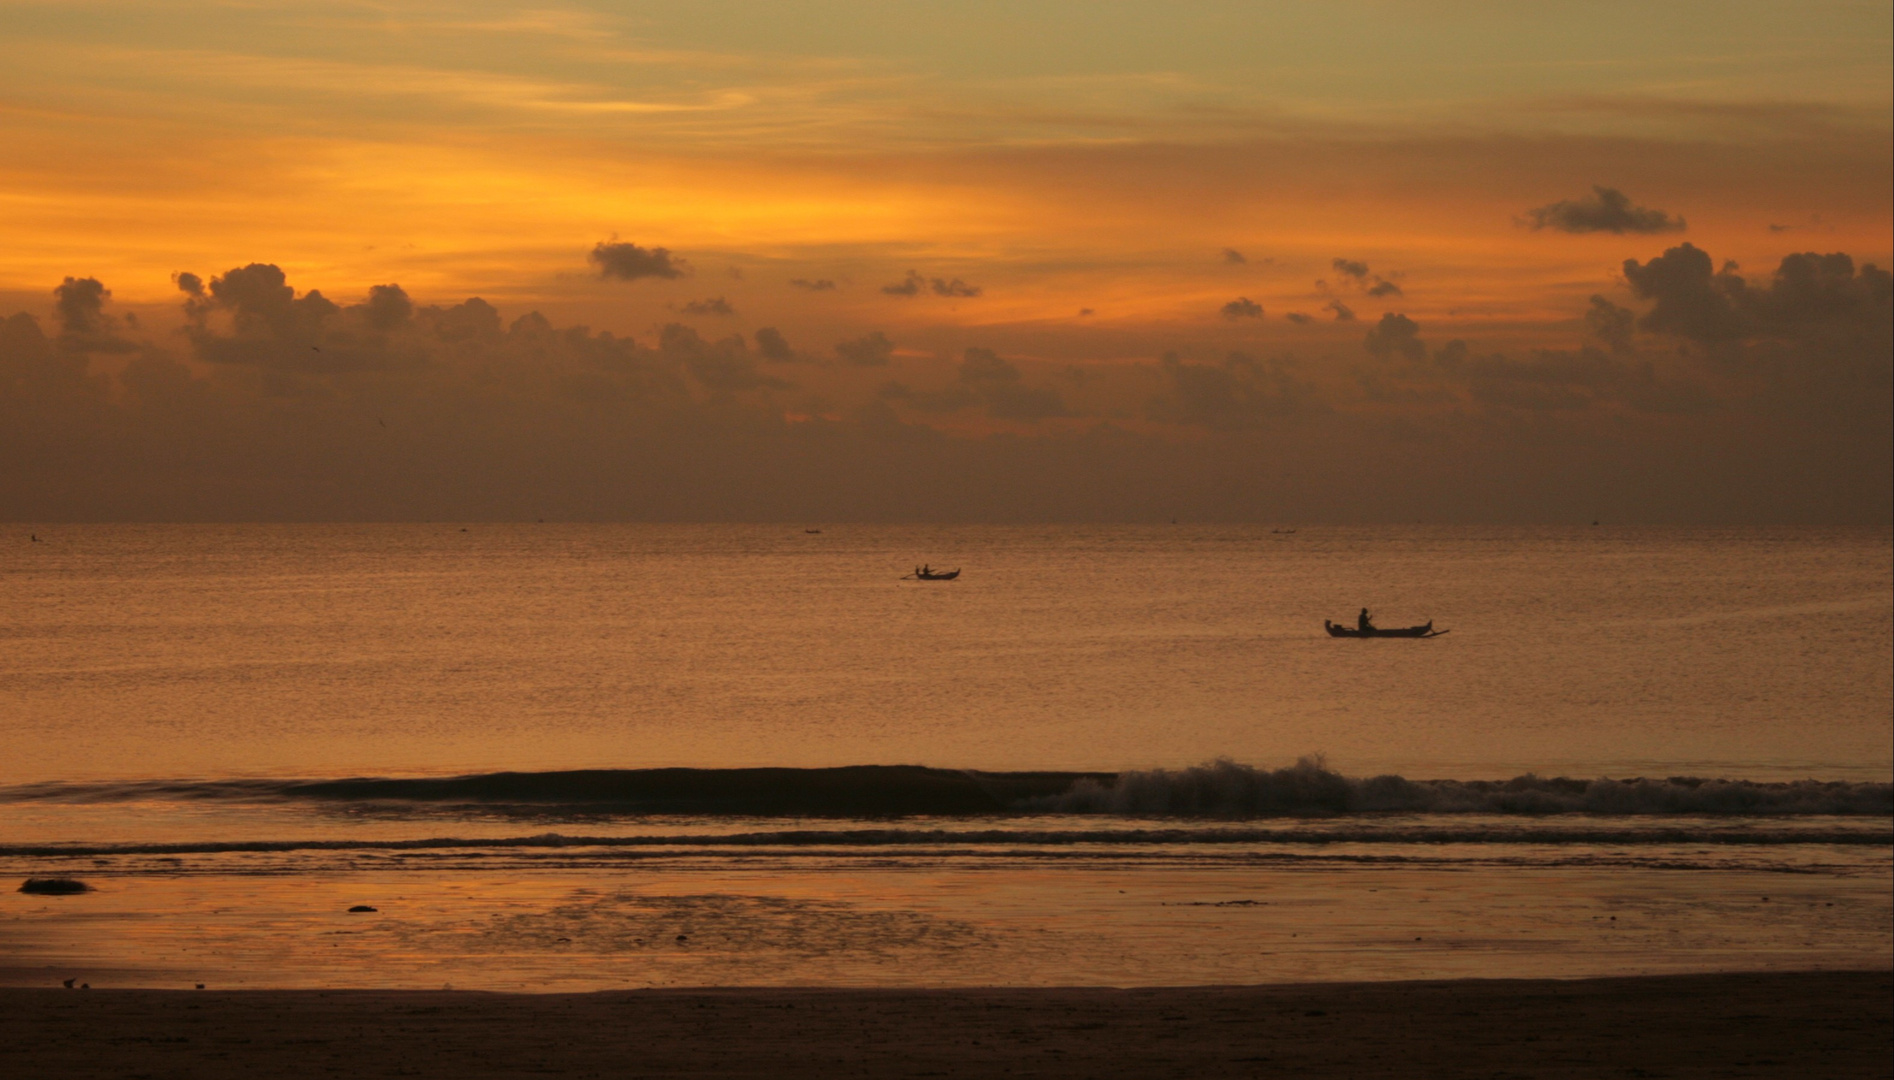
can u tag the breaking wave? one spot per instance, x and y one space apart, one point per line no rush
1225 789
1218 790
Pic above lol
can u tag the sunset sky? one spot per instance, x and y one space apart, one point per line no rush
1032 260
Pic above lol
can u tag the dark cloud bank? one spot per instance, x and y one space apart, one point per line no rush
1710 394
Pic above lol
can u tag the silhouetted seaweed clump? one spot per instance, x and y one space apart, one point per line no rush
54 886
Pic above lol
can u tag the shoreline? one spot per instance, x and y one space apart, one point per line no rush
1810 1023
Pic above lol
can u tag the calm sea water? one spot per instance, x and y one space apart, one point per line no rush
173 700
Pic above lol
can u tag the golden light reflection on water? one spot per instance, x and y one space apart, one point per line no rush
954 926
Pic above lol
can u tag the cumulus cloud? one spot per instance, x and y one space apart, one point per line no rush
871 350
1561 380
1610 323
1692 299
774 346
1240 394
1343 313
388 307
1608 210
1242 308
721 366
1356 273
1395 335
815 285
80 303
1233 256
271 405
911 285
629 262
953 287
1299 318
714 305
915 283
996 381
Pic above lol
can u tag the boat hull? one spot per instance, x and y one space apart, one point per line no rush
1425 630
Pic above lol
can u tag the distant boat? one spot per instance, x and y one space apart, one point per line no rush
934 575
813 532
1424 630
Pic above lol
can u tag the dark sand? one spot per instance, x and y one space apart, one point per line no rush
1823 1024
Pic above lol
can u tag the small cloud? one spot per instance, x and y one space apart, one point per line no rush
630 262
956 287
188 283
907 286
1395 334
818 285
1384 287
1242 308
1608 210
873 350
1084 311
774 346
1351 267
715 305
81 305
1299 318
1233 256
1343 313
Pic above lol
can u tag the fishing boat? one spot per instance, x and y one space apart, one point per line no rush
1424 630
934 575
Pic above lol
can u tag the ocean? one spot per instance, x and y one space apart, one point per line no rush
558 756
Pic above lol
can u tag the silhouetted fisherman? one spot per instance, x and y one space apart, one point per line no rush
1363 623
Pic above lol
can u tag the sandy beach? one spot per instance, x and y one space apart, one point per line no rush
1816 1024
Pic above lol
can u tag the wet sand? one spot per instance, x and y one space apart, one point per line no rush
1828 1024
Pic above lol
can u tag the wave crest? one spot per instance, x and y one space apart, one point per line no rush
1226 789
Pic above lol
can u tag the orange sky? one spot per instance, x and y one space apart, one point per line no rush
1059 158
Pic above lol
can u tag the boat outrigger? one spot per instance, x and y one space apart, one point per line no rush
1422 631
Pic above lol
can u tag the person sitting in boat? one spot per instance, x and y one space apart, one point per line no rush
1363 623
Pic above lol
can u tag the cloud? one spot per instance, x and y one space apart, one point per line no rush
774 346
388 307
817 285
914 283
1559 380
1608 210
472 319
1299 318
1242 308
1610 323
997 382
715 305
1395 335
1233 256
1692 299
954 287
1351 268
871 350
1384 287
1343 313
629 262
80 303
907 286
1240 394
721 366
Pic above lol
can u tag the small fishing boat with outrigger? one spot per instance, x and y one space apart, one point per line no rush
1425 630
928 573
